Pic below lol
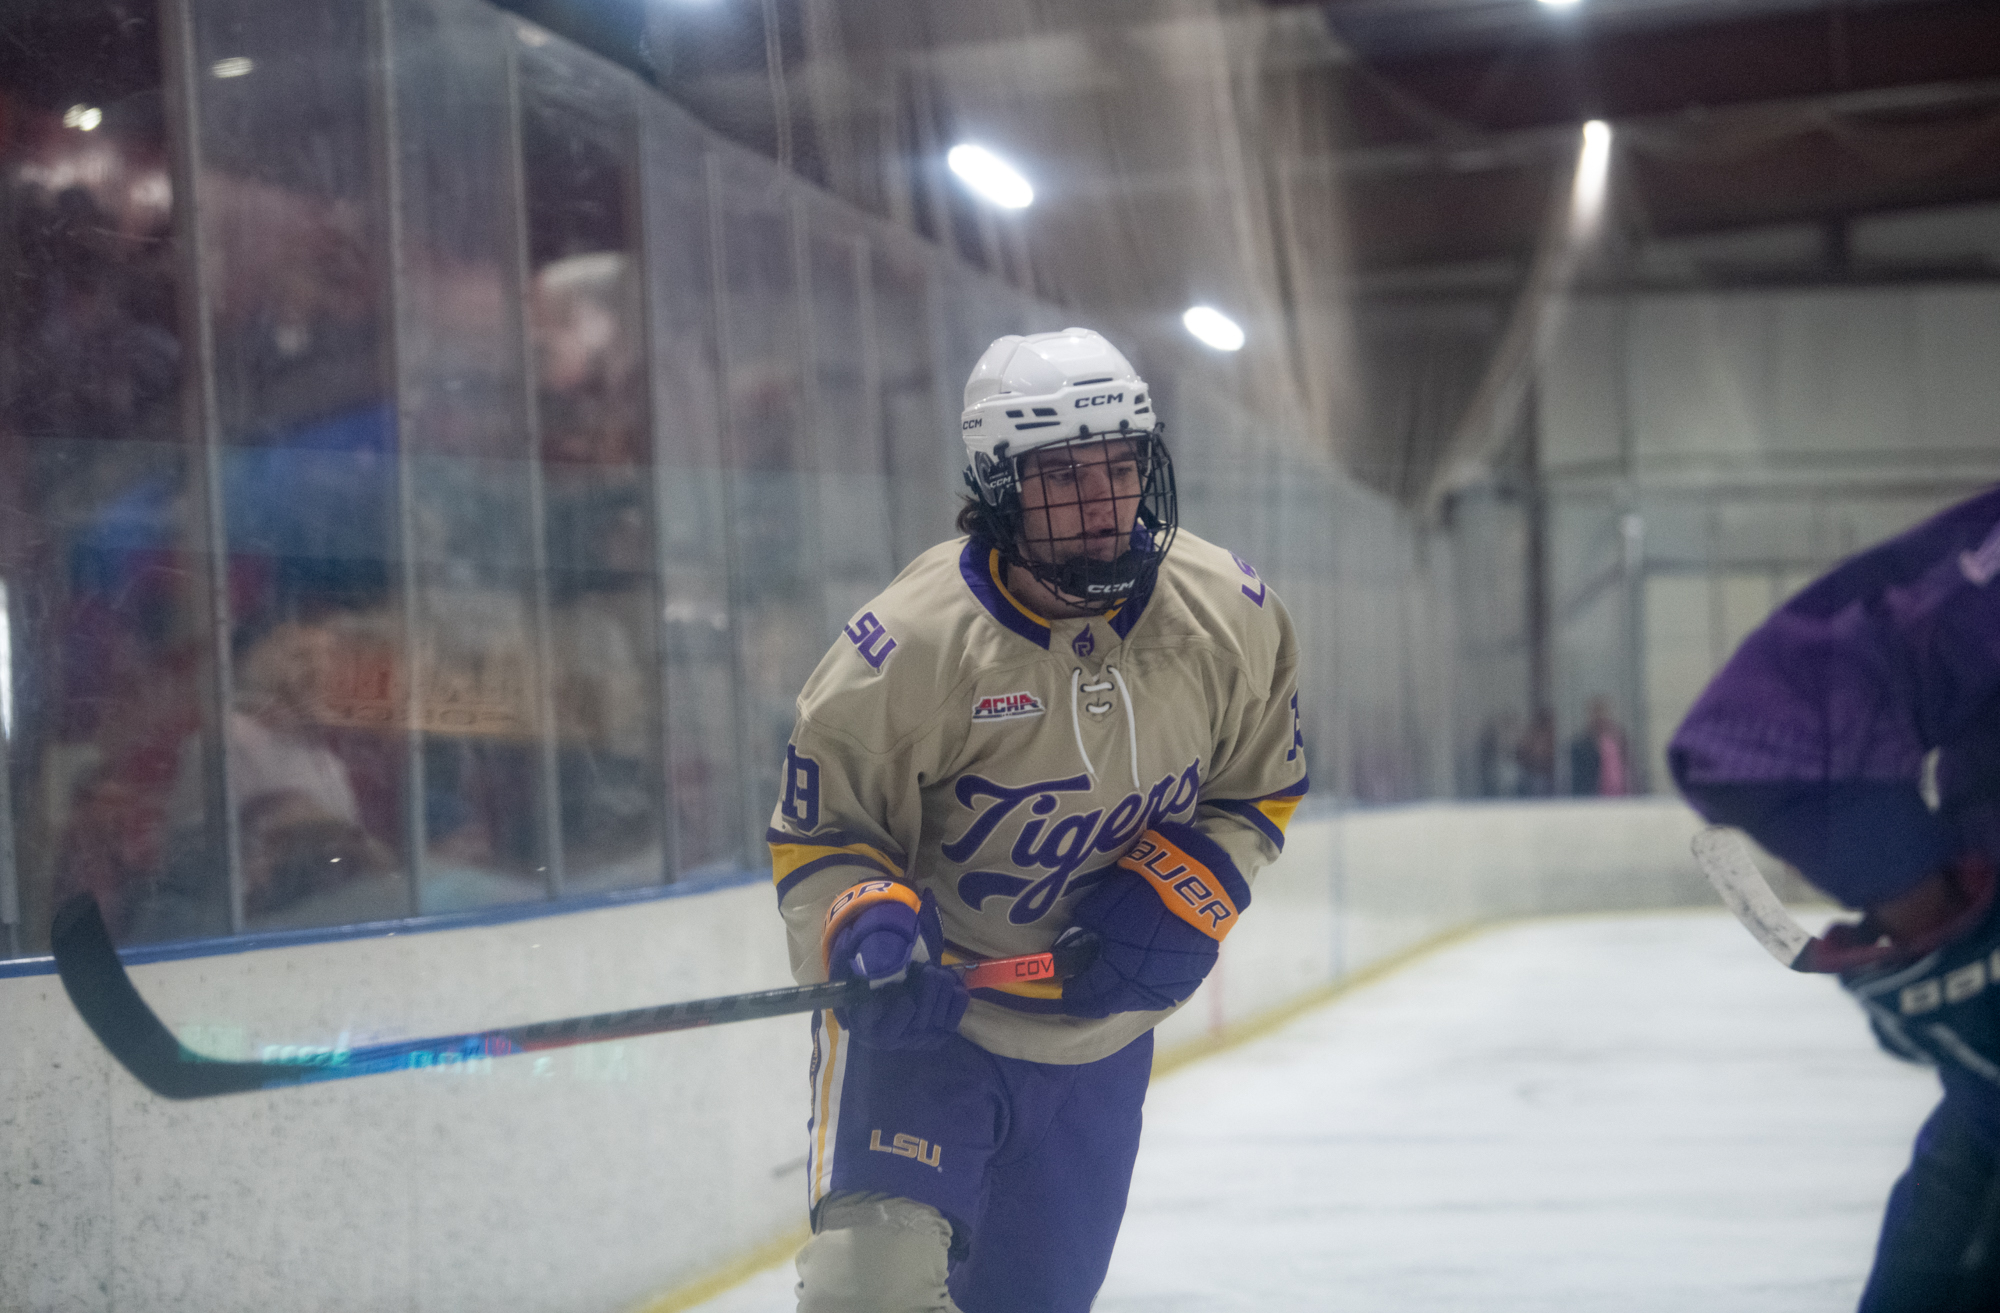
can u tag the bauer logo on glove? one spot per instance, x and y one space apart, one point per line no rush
872 931
1159 933
886 933
1187 886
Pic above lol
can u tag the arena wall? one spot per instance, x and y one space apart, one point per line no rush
608 1177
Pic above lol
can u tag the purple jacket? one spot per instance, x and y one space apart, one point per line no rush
1818 736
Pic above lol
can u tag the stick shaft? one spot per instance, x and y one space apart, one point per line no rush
104 995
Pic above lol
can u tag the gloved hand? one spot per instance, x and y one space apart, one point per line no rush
1159 922
883 932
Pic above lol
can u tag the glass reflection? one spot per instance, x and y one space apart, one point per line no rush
587 332
468 469
430 465
291 264
100 523
693 525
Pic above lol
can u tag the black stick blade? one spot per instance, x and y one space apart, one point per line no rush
104 996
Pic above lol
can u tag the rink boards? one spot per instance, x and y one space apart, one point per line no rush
607 1176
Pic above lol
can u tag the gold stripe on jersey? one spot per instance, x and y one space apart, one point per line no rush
1279 810
998 572
830 1047
794 861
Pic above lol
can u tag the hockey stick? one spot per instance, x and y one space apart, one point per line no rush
1725 860
105 997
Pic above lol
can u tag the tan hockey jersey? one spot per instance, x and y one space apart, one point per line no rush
955 740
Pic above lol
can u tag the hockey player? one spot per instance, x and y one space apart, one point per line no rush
1856 735
1073 716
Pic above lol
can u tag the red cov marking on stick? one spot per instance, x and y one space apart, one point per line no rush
1011 971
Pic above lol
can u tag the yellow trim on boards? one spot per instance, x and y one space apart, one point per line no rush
767 1255
1180 1055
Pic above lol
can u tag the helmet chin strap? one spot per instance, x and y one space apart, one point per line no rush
1091 585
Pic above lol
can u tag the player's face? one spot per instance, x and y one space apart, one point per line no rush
1080 501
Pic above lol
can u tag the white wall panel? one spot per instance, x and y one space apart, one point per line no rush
1701 379
1842 372
597 1177
1955 387
1580 411
586 1178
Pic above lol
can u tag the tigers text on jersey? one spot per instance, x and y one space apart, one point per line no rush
955 740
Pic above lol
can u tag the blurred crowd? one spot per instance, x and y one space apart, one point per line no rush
125 702
1517 760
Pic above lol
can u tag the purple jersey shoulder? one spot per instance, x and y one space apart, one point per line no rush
1814 736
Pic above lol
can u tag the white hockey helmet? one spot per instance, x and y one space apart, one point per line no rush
1036 391
1065 389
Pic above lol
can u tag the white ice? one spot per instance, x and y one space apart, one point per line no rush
1608 1112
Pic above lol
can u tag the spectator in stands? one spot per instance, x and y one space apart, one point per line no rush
1499 759
1536 756
1597 760
300 838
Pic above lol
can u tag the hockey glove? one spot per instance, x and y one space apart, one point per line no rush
883 932
1159 921
1932 998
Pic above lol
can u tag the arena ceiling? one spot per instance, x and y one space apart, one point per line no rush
1738 113
1452 119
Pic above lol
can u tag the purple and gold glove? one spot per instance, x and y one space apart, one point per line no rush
1159 923
883 932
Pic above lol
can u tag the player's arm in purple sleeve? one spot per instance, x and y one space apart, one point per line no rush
1814 736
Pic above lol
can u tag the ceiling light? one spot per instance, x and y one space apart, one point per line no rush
1593 169
82 117
1213 328
990 176
235 66
1559 4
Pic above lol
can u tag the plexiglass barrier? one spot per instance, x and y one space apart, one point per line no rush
432 464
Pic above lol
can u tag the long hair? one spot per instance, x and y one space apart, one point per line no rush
970 522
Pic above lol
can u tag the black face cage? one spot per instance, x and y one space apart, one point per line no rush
1070 542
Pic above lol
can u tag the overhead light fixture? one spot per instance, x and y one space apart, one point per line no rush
990 176
1213 328
1593 170
82 117
235 66
1559 4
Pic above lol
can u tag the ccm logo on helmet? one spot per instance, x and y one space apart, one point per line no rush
1101 399
978 421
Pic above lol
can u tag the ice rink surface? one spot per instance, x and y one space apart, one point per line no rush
1605 1112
